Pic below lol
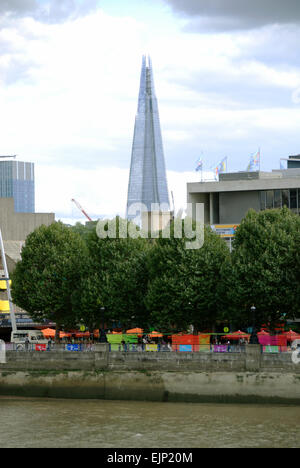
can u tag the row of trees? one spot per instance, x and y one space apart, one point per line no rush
71 276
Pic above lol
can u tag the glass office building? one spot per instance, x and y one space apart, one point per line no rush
17 182
147 179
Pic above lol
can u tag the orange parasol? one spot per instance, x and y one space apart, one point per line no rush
64 335
135 331
82 334
236 335
50 333
155 334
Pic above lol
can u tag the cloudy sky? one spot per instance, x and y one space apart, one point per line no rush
227 78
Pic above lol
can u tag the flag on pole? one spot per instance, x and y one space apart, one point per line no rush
199 166
254 163
281 164
221 167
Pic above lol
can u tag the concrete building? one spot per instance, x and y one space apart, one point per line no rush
15 227
227 202
293 162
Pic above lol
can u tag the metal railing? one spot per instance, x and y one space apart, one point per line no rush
141 348
56 347
208 348
127 347
272 349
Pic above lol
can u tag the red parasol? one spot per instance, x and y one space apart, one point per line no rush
237 335
291 335
82 334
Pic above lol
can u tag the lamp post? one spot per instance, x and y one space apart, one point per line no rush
253 337
102 334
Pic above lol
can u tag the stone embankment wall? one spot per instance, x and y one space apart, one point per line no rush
198 377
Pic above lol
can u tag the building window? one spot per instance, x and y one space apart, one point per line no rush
270 200
293 199
285 198
262 200
277 198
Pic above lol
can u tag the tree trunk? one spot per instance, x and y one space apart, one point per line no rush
56 339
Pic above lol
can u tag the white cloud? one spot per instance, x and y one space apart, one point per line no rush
68 98
101 192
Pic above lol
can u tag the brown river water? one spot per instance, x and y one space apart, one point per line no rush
52 423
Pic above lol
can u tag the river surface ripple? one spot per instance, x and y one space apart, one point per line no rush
126 424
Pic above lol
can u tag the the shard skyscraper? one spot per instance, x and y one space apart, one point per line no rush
147 179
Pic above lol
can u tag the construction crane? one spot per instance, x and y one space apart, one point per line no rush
81 209
173 202
9 156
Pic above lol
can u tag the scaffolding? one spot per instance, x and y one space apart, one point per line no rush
6 278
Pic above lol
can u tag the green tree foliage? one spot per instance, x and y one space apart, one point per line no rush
84 230
44 282
115 288
265 267
185 285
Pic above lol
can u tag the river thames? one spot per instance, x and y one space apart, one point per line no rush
52 423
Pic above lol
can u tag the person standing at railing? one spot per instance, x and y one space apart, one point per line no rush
49 344
26 343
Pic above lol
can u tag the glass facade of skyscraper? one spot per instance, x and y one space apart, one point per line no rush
147 180
17 182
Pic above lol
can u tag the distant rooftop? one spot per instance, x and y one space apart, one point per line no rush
295 157
275 174
243 175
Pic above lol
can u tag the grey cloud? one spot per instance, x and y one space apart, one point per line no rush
50 11
17 7
238 92
239 84
275 45
237 14
56 11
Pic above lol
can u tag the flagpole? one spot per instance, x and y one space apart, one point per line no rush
201 166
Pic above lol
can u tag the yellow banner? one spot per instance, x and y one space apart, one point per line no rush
151 347
3 284
4 306
204 342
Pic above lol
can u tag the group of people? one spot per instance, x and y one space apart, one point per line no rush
145 340
241 341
